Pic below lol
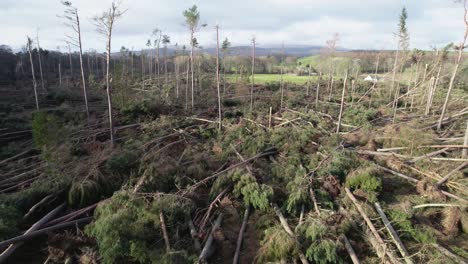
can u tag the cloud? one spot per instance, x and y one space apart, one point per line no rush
364 24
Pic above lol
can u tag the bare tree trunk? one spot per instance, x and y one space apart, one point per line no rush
206 249
317 93
465 142
109 98
429 96
454 73
7 252
81 65
187 84
217 78
191 65
393 234
281 78
395 65
164 231
240 237
165 64
33 75
60 74
342 103
253 75
40 62
71 63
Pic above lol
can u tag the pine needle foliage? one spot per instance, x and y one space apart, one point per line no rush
127 227
406 230
276 245
366 179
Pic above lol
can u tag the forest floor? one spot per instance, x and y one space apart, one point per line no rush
175 189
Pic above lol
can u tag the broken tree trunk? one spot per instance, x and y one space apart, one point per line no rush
241 236
20 239
465 142
393 234
14 244
194 234
342 103
207 248
164 231
349 248
446 177
371 226
449 254
416 181
288 230
42 201
454 74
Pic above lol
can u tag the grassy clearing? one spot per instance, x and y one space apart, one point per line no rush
270 78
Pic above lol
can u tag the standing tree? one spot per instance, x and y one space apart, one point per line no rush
40 60
150 60
460 48
73 21
165 41
253 74
104 25
225 47
28 45
403 44
156 42
217 77
192 20
330 52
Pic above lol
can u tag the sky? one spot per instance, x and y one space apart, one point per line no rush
362 24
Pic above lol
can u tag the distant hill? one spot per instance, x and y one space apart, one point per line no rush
298 51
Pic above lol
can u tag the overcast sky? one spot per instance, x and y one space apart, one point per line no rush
362 24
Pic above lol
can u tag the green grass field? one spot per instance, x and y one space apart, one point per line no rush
270 78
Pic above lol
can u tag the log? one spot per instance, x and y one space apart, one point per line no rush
14 157
241 236
349 248
449 254
314 200
465 142
288 230
200 183
71 216
416 181
43 231
371 226
207 248
194 234
164 231
428 155
437 205
446 177
42 201
393 234
13 245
